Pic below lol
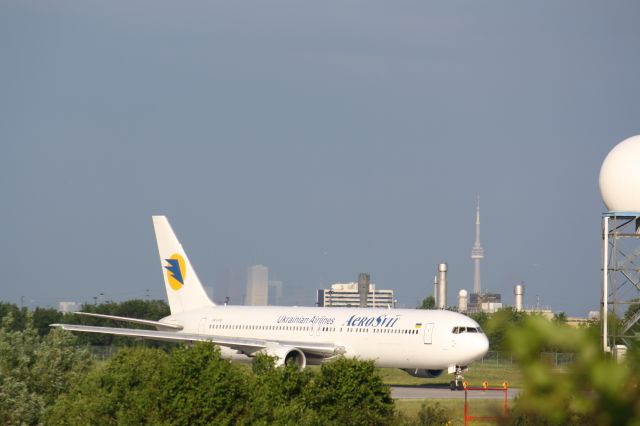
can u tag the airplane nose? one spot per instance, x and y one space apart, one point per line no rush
483 346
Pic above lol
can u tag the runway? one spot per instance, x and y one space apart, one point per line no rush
443 392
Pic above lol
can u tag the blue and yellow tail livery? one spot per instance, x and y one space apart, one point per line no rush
184 290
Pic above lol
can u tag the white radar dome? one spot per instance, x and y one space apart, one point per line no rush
620 177
462 293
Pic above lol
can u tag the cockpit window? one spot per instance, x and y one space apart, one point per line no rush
458 330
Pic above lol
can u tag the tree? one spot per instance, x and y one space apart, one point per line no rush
428 303
35 370
135 308
201 388
192 385
44 317
12 318
19 406
349 391
496 325
633 308
596 389
278 393
560 317
124 390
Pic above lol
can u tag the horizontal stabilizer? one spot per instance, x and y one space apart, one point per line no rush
158 324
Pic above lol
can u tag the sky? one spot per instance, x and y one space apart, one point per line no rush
321 139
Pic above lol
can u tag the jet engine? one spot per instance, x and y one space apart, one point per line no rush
427 374
286 354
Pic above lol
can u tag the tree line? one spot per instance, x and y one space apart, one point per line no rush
52 379
41 318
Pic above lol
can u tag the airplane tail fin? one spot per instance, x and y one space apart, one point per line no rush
184 290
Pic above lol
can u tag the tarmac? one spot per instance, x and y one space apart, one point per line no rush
443 392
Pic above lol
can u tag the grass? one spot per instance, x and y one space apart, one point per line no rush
478 373
454 409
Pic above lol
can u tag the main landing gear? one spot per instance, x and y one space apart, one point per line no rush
458 382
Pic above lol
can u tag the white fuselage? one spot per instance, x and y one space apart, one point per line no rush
400 338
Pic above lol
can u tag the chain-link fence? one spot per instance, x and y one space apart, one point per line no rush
557 359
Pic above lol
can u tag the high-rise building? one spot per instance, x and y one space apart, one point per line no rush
477 253
67 307
275 293
257 286
347 295
230 287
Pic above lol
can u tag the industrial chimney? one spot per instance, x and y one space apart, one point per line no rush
435 290
518 290
462 300
442 286
363 288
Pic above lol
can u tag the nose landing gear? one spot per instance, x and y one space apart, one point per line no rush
458 382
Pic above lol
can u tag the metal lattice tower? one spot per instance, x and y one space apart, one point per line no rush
620 277
477 253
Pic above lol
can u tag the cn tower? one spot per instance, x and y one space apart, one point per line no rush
477 253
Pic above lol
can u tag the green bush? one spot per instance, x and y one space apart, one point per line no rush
124 390
201 388
595 389
277 394
349 391
35 370
432 415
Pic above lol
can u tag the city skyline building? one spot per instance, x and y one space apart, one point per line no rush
275 293
477 253
257 286
348 295
485 302
67 307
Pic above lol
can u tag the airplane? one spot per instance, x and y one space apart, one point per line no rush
423 343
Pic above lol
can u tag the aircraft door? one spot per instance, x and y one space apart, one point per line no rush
428 333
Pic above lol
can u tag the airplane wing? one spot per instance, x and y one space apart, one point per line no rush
158 324
247 346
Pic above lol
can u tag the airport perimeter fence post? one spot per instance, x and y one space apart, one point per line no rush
466 411
506 406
